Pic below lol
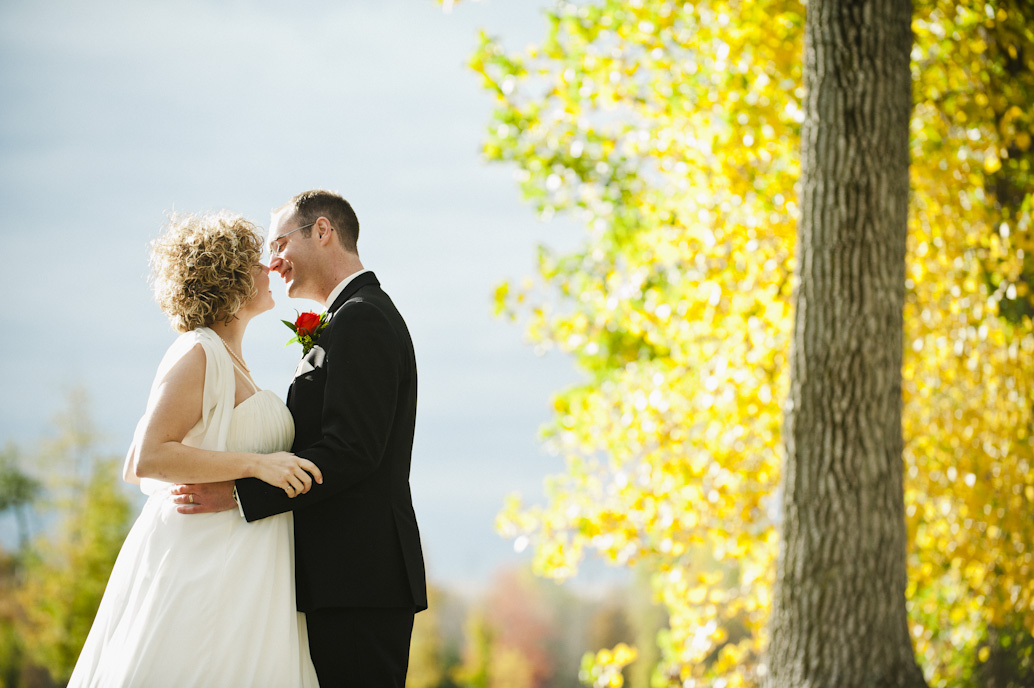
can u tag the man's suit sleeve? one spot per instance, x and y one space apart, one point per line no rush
363 365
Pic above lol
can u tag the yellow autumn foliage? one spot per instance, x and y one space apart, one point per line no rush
671 131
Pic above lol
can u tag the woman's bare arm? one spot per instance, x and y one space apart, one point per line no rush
161 453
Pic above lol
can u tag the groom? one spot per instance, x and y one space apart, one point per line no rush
358 560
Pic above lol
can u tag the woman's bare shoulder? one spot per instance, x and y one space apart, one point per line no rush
189 371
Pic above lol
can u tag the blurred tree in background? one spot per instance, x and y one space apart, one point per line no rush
524 633
51 587
18 490
671 131
65 577
428 654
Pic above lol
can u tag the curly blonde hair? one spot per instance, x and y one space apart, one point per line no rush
201 268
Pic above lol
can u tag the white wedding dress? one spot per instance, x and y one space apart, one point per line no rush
204 599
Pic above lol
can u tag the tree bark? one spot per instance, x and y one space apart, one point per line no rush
839 617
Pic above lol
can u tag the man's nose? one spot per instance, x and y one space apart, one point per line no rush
275 265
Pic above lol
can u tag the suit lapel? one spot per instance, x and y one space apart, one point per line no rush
364 280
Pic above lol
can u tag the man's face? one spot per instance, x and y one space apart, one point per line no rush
292 254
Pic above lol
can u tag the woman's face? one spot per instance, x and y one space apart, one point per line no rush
262 301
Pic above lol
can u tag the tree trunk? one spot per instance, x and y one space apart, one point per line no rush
839 616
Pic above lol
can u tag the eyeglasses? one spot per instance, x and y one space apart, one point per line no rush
275 247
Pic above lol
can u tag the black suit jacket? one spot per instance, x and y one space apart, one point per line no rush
356 537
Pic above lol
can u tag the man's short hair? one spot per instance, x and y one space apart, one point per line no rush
309 206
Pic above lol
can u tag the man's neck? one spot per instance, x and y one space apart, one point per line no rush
341 272
340 287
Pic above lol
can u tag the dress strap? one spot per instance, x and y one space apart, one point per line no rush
246 376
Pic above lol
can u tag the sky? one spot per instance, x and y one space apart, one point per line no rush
116 114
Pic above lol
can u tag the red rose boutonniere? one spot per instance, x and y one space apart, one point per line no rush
307 329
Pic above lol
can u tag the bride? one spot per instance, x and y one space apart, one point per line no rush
205 600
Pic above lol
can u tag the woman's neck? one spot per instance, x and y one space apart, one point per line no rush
232 332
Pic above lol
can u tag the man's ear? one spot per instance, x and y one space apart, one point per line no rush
324 231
